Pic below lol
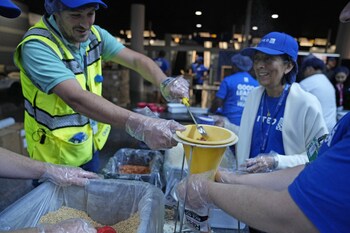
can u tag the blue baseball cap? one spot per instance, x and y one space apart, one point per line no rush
78 3
275 43
199 59
52 6
244 63
8 9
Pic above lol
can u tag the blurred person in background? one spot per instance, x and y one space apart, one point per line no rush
317 83
60 61
331 65
233 92
164 65
342 87
306 198
17 166
200 74
162 62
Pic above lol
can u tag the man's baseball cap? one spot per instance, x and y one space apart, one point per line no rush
275 43
78 3
8 9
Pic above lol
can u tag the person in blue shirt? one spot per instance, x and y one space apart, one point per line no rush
234 89
200 73
162 62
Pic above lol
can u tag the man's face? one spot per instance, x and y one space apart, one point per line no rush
75 25
345 14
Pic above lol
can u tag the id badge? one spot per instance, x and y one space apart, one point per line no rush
313 147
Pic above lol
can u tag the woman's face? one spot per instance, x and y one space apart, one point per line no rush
341 77
75 25
270 70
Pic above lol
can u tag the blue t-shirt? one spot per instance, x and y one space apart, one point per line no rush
234 90
267 131
46 69
199 71
162 63
322 189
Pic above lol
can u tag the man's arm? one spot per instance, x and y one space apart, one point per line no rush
91 105
277 180
13 165
267 210
142 64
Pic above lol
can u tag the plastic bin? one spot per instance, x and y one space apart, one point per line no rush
105 201
126 156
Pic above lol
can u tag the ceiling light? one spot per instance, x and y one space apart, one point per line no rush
255 28
198 13
274 16
198 25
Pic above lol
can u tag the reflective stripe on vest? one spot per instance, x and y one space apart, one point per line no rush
55 122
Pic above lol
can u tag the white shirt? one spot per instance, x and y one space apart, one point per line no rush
320 86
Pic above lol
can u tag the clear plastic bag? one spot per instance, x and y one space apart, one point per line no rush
151 159
105 201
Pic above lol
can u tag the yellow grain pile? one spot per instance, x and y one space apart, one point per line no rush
129 225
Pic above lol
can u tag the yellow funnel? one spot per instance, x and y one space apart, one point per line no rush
207 152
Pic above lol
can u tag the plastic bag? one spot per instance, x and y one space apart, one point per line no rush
105 201
151 159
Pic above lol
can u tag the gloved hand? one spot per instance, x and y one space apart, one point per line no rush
174 89
223 176
73 225
197 198
261 163
155 132
66 175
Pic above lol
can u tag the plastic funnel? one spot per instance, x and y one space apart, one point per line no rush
206 155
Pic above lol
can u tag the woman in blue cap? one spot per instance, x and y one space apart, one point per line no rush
306 198
280 119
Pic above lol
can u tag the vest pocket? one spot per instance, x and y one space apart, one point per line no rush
67 151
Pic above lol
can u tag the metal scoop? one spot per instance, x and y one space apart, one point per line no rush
200 129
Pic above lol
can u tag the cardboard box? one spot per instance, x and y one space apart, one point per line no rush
13 138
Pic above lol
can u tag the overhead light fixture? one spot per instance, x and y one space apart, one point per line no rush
274 16
198 25
198 13
255 28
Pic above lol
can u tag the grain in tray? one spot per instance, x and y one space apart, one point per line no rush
129 225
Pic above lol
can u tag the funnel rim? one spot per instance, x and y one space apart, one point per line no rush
178 139
232 138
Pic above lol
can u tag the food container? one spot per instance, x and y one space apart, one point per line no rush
105 201
125 163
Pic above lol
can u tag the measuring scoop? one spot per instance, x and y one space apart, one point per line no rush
200 129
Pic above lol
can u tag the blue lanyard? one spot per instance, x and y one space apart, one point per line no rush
279 104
